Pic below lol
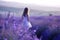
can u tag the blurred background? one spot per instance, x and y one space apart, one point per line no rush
44 17
37 7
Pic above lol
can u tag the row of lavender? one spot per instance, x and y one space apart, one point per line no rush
44 28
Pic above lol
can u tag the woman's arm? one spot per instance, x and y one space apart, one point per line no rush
27 17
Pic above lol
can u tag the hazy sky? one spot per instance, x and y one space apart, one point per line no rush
50 3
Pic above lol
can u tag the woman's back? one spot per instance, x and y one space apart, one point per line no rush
25 18
26 23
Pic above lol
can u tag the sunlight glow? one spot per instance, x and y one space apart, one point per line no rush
51 3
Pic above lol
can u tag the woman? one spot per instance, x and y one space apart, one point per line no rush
25 18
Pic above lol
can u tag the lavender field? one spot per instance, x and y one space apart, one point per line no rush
45 20
44 28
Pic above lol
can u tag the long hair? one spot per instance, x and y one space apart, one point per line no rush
25 13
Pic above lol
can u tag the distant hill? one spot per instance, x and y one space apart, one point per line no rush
35 10
35 7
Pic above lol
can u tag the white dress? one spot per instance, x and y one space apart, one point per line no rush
26 23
